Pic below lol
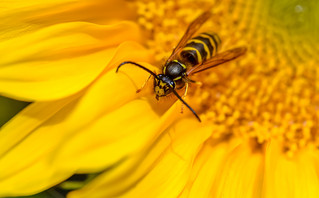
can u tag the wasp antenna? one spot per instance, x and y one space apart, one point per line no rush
190 108
138 65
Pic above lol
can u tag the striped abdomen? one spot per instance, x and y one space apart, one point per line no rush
200 48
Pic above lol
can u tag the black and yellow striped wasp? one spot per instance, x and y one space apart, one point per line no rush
191 55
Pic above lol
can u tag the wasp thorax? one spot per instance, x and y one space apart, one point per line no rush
163 85
175 69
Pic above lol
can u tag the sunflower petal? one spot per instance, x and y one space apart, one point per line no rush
59 60
175 164
207 167
22 17
241 170
121 176
290 177
37 138
32 179
170 159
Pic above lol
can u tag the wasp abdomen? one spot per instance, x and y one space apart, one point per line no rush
200 48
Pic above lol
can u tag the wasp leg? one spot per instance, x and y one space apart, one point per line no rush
193 81
140 89
188 80
184 95
186 89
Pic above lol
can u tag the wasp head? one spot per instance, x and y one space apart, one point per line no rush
163 85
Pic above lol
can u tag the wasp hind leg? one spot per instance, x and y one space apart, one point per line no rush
193 81
140 89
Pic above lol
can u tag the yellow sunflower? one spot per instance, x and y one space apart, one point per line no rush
259 130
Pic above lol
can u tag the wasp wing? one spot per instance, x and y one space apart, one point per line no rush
217 60
191 30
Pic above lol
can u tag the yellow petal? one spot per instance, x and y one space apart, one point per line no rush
170 160
208 165
171 172
37 113
290 177
25 161
37 177
225 168
28 120
59 60
30 141
19 17
240 175
121 176
114 135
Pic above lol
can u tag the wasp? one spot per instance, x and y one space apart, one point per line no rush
190 56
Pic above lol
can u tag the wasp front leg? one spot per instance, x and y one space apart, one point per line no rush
140 89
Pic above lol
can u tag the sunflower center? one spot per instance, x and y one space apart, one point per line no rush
271 92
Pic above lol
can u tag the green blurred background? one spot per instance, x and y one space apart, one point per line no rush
8 108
